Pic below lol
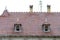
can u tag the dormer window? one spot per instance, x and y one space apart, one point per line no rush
46 27
17 27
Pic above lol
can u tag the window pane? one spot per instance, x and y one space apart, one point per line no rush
17 38
32 38
57 38
35 38
5 38
47 39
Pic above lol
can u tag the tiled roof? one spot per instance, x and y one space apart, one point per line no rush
31 23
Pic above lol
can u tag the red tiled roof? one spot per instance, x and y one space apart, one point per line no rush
31 23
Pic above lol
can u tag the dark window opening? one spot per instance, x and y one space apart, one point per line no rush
46 27
17 27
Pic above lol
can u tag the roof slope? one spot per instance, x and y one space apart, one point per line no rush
31 23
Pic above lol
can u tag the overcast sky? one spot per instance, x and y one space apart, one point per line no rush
23 5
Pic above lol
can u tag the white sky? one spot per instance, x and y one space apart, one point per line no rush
23 5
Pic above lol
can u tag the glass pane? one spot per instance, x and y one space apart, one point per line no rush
35 38
47 39
5 38
32 39
29 38
57 38
17 38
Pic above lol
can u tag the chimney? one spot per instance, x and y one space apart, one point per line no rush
48 8
31 8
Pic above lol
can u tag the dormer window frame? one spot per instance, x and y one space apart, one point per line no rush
46 27
17 27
